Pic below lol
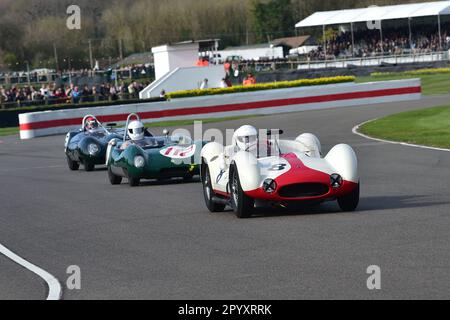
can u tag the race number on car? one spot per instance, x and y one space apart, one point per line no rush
178 152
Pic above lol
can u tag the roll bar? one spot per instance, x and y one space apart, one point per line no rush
83 124
135 115
270 133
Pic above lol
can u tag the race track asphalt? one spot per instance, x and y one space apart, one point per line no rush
158 241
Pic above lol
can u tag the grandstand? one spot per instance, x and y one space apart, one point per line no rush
389 34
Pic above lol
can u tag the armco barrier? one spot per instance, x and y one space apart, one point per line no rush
250 103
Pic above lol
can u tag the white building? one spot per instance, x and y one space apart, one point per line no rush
253 52
176 68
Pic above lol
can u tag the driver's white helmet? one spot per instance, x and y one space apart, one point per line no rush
246 138
136 130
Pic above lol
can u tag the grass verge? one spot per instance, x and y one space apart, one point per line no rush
438 83
8 131
428 127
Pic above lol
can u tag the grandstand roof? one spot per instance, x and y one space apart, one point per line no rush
402 11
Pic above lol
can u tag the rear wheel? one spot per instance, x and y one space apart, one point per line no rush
73 165
209 193
350 202
134 182
114 179
242 204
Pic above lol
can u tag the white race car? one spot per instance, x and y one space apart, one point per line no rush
278 172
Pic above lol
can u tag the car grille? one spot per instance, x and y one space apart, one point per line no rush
304 190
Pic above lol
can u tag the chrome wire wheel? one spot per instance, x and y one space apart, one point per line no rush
207 186
208 191
235 189
242 204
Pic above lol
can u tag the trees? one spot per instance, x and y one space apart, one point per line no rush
29 29
272 19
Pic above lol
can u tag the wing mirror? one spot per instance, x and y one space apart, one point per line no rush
166 132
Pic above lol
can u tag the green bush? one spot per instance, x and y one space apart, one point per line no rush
260 87
417 72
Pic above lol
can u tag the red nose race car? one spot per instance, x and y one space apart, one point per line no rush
278 172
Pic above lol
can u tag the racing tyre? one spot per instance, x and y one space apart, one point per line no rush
208 192
134 182
115 180
350 202
89 167
73 165
242 204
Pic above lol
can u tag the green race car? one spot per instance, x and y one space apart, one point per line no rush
153 157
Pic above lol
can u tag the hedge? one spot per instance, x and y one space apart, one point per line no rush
417 72
260 87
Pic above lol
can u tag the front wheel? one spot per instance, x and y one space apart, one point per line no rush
242 204
134 182
73 165
350 202
209 193
114 179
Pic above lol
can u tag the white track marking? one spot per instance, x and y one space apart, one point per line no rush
356 131
54 287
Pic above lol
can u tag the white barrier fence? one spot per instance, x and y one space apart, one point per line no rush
46 123
375 61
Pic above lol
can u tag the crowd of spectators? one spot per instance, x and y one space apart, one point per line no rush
396 41
52 94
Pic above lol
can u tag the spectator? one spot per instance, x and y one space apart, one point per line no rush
95 94
202 62
227 67
250 80
113 93
75 95
204 85
131 90
3 96
86 95
51 93
123 91
223 84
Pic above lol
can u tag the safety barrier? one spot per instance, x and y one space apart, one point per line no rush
240 104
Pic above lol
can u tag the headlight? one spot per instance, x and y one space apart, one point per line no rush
93 149
139 162
336 180
270 186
